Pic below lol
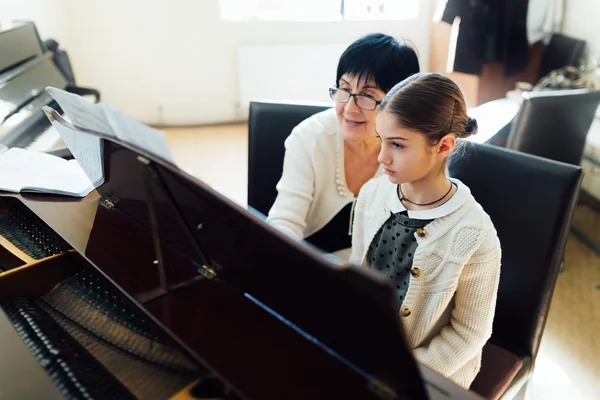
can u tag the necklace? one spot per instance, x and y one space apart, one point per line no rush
340 181
403 197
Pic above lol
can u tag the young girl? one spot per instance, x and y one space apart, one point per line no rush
426 231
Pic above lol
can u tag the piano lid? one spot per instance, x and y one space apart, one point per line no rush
205 237
20 89
26 69
23 95
19 42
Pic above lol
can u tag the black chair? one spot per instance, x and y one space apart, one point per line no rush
269 124
554 124
63 64
560 52
531 202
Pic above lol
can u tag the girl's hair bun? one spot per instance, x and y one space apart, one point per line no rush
471 126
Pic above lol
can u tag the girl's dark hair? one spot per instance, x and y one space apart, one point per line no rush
380 58
432 104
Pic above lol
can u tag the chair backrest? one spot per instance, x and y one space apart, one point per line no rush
61 60
531 202
554 124
560 52
269 124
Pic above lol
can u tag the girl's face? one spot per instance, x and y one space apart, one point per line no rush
406 154
356 123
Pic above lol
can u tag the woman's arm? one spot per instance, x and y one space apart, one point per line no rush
473 314
295 188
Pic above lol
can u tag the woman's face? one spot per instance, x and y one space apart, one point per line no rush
357 124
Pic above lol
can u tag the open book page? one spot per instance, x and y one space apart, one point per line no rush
26 170
131 131
20 168
70 180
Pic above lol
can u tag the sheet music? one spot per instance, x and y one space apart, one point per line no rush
136 133
81 112
87 150
105 118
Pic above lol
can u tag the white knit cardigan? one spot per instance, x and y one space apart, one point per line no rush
448 310
312 188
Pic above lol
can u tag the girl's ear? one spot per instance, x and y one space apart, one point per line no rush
446 145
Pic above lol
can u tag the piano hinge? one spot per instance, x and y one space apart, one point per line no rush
207 272
109 202
381 389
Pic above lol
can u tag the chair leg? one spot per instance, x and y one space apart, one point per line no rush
587 199
586 240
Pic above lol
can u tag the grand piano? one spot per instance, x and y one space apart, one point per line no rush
155 286
27 67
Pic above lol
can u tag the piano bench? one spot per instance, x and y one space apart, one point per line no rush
498 369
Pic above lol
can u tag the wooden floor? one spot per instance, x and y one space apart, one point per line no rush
218 155
569 363
568 366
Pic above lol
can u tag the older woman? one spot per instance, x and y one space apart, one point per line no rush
332 154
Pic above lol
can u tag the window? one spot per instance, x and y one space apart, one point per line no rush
361 10
318 10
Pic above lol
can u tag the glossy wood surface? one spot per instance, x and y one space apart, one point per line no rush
36 279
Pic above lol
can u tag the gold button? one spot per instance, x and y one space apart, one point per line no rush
416 272
405 312
420 232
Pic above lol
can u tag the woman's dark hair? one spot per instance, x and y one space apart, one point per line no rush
432 104
380 58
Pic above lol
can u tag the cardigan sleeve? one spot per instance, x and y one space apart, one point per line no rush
358 228
363 201
295 188
473 313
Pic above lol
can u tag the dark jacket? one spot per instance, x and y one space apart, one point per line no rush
490 30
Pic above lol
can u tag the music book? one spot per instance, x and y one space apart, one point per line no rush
32 171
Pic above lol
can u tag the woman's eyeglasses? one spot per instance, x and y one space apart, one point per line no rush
361 100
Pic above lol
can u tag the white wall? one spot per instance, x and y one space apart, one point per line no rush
264 72
581 21
47 14
174 62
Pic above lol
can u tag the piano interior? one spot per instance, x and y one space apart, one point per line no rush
90 339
